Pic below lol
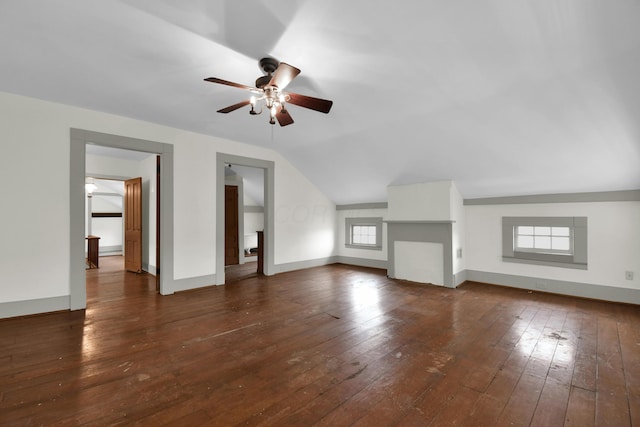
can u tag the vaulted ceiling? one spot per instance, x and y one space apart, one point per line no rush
504 97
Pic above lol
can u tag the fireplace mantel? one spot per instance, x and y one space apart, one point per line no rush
427 231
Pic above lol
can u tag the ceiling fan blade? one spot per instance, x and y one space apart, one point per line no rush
234 107
283 75
317 104
228 83
283 117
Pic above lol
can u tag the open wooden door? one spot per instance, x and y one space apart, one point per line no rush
133 225
231 243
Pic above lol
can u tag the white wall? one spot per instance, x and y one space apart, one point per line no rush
420 262
35 143
108 229
253 222
420 202
613 241
304 218
458 229
147 170
102 166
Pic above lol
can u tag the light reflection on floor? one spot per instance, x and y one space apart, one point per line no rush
365 299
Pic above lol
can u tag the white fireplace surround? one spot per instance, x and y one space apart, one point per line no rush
422 231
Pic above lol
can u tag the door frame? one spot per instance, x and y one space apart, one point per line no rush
268 168
79 139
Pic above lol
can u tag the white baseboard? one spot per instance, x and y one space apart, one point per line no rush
362 262
582 290
34 306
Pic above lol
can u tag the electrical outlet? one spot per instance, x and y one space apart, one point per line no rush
628 275
459 253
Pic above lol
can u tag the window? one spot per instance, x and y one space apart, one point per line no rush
363 233
555 241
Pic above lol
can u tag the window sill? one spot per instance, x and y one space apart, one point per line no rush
565 264
371 247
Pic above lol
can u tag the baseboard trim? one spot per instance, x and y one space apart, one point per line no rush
109 249
459 278
301 265
151 269
576 289
34 306
362 262
189 283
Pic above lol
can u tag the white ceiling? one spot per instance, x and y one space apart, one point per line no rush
505 97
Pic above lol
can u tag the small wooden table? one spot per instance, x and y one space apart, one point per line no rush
93 251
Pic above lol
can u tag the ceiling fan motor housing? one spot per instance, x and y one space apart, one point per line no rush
268 65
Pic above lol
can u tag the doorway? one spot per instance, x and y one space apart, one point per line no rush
79 141
121 218
266 170
104 214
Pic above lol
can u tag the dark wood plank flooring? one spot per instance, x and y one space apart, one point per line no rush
329 346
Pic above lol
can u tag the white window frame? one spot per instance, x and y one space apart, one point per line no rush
576 257
551 236
353 222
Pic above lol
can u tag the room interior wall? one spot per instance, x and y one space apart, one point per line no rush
35 137
613 246
364 257
147 168
253 222
111 167
458 231
419 202
110 230
439 200
304 219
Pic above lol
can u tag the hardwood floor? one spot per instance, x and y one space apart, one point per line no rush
329 346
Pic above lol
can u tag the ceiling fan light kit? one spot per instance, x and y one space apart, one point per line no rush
269 93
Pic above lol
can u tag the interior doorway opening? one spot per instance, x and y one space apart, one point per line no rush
260 168
82 141
244 220
122 217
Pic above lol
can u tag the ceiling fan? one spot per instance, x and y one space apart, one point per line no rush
269 92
